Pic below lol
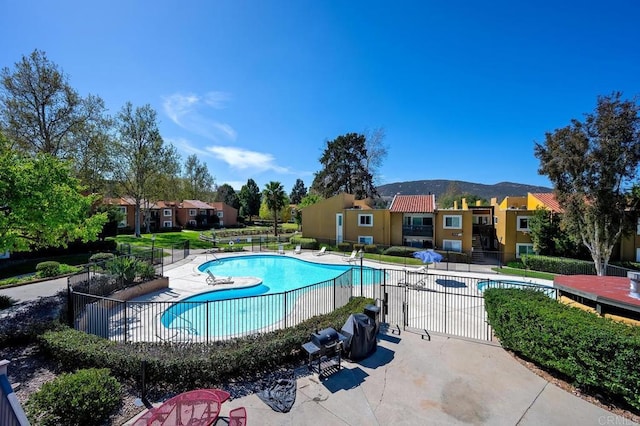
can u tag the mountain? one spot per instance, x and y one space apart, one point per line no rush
440 187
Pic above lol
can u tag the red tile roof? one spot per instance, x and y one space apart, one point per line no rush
549 200
413 204
195 204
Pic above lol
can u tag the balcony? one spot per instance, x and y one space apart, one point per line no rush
417 231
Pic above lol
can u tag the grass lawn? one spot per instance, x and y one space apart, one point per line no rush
524 273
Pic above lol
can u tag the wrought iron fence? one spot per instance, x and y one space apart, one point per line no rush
206 321
427 302
445 304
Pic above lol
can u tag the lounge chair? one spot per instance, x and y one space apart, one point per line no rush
297 250
321 251
353 257
280 249
213 280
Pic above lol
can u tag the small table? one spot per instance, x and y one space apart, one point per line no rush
197 407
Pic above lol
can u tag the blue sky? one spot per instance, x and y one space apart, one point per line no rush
462 89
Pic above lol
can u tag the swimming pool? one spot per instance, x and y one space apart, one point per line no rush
230 312
485 284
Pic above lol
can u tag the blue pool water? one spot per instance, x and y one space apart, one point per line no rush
485 284
230 316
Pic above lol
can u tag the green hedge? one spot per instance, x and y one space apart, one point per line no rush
48 269
558 265
179 367
400 251
597 354
81 398
305 243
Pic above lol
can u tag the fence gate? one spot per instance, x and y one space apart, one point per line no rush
445 304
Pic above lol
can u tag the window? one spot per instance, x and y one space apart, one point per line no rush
523 223
220 214
167 224
453 222
522 248
495 220
452 245
638 227
203 212
193 223
123 222
167 212
193 212
365 240
365 220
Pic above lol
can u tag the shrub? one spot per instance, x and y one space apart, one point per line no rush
344 246
597 354
48 269
6 301
400 251
370 248
305 243
146 271
557 265
123 267
80 398
100 257
179 367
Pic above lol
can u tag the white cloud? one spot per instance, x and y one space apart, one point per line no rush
189 111
244 159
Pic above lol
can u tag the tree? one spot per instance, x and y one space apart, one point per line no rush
198 182
249 198
549 236
345 168
298 192
94 155
275 198
376 152
227 195
144 157
41 203
593 165
40 111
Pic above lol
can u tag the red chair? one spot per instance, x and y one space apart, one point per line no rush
238 417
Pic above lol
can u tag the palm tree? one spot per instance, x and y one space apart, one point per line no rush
275 199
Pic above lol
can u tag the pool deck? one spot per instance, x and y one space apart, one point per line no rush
186 280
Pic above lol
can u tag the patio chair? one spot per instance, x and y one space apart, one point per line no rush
213 280
297 250
238 417
353 257
321 251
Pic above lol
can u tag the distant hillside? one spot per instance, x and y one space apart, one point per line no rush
440 186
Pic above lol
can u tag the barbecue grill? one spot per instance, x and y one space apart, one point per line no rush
324 350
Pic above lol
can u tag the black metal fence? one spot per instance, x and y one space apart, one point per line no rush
445 304
410 301
206 321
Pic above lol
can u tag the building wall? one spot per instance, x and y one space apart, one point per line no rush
629 245
395 225
379 229
229 214
464 234
319 220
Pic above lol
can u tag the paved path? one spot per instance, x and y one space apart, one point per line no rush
445 381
